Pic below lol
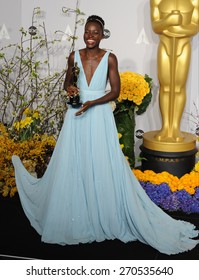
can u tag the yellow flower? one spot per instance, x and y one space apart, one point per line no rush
35 115
13 191
27 112
5 191
133 87
119 135
30 151
122 146
25 122
196 167
16 125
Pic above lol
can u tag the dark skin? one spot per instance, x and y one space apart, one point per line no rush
91 56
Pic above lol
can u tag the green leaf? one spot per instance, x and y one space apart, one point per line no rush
145 103
125 122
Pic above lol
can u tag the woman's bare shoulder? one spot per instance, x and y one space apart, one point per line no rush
112 58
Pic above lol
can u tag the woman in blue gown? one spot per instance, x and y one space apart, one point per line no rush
88 192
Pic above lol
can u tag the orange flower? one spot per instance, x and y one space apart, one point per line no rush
188 182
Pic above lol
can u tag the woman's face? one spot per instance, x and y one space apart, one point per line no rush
93 34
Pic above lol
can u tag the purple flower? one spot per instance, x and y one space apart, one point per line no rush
194 205
181 200
196 195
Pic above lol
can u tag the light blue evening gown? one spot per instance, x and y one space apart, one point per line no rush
88 192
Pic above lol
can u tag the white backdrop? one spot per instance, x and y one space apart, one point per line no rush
132 40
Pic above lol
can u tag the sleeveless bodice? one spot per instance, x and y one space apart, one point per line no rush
98 83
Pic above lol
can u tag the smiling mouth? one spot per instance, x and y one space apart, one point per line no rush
90 41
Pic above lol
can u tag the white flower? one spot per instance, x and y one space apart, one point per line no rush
113 105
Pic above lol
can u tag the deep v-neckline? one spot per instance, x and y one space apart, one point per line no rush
88 84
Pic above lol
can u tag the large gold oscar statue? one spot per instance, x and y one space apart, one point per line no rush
176 22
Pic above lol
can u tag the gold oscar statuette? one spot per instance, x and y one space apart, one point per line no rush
176 22
74 100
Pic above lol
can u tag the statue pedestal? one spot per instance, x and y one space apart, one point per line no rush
177 158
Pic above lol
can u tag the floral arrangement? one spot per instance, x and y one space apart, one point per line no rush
170 192
33 153
27 126
32 103
166 190
135 96
135 92
194 119
28 79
